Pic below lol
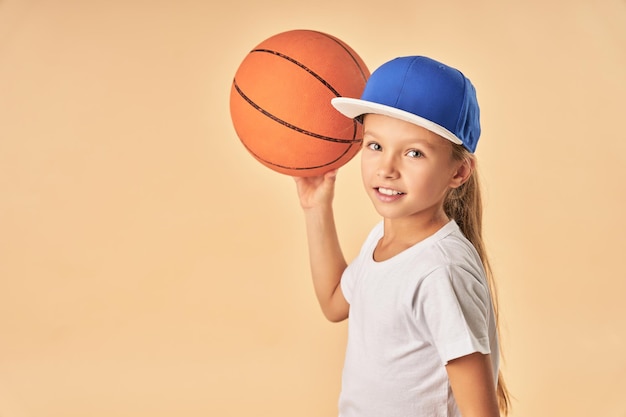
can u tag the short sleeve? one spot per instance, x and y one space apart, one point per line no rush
454 307
347 282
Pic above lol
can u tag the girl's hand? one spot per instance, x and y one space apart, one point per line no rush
316 191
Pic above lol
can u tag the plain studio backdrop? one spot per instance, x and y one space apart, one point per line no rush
149 266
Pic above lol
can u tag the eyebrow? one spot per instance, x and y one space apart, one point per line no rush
408 140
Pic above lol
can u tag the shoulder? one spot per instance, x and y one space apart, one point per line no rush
375 233
453 250
361 262
455 265
371 240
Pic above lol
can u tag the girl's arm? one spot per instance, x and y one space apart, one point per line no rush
471 379
326 259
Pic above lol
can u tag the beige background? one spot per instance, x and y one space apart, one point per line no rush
150 267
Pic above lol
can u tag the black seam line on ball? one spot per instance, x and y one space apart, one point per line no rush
300 168
289 125
301 65
343 46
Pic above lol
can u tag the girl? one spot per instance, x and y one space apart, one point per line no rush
422 338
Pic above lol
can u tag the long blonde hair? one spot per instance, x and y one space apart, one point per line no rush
464 205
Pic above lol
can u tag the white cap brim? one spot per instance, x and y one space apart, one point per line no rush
353 107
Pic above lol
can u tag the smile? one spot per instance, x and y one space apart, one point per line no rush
388 191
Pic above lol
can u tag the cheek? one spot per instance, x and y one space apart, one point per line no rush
428 180
366 163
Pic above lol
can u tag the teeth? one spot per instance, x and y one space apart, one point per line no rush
388 191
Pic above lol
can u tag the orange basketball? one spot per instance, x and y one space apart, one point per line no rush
280 102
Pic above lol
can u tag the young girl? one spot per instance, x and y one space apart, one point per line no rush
422 338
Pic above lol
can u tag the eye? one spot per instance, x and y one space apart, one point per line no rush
414 153
374 146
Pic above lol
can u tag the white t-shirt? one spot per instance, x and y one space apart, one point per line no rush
409 316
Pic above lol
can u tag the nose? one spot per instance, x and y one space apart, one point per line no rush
387 167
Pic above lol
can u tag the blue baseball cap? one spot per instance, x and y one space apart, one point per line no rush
422 91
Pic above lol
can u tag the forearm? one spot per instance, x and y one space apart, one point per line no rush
327 261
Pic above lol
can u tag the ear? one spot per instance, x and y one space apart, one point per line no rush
463 172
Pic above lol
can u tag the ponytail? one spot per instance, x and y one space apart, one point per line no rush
464 205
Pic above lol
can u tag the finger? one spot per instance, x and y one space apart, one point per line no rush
331 174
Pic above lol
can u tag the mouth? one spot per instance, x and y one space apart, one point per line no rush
388 191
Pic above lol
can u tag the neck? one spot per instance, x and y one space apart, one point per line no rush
400 234
413 229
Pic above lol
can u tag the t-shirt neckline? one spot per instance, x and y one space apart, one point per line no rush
444 231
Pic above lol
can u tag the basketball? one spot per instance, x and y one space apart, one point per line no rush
280 102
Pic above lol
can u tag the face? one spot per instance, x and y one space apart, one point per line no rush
407 170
